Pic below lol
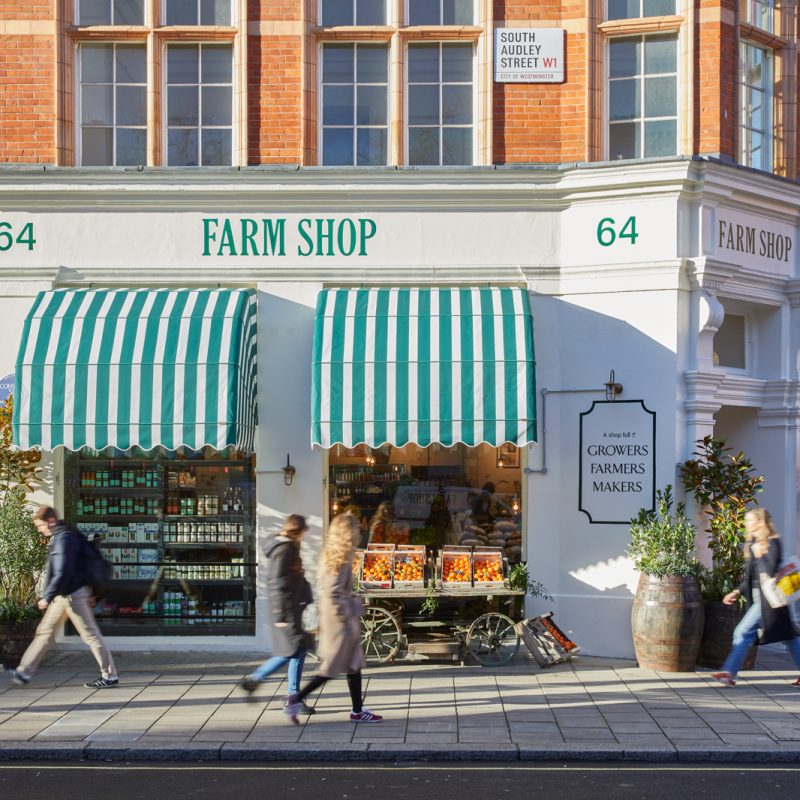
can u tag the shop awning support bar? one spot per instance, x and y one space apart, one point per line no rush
544 392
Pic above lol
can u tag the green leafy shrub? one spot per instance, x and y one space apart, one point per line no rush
519 580
663 544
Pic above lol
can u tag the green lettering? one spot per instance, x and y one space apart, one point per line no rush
301 229
227 240
249 228
208 237
321 234
274 237
366 225
340 237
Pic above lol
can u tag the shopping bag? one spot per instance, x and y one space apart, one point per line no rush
784 588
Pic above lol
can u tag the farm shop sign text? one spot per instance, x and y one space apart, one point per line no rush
754 241
529 55
617 461
270 236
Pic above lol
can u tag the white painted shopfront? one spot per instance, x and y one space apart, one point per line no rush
631 268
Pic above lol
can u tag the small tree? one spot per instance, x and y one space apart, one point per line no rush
724 484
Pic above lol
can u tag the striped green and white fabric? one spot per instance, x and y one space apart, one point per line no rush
137 368
447 365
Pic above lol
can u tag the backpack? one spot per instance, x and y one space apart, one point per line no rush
96 570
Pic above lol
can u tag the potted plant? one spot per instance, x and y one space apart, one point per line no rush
667 616
23 551
724 485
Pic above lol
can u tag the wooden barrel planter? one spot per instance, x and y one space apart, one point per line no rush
718 635
667 623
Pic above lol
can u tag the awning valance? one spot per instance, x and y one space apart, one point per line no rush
411 365
137 368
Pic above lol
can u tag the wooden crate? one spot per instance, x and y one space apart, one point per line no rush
546 641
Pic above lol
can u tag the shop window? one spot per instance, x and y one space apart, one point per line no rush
113 105
197 12
199 105
111 12
730 343
642 97
760 14
440 104
756 106
433 496
354 104
633 9
441 12
179 531
353 12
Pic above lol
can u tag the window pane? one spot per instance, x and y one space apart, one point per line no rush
337 12
758 150
371 12
423 63
131 105
337 105
215 12
94 12
457 12
623 140
660 55
97 105
660 138
216 148
624 58
423 12
182 148
337 147
423 146
623 9
659 8
97 63
337 63
371 147
182 105
131 147
131 64
371 105
729 342
754 110
623 99
182 64
457 146
423 105
372 64
181 12
217 105
217 64
660 97
457 63
129 12
96 146
456 105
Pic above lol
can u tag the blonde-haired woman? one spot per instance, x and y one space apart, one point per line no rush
762 553
339 646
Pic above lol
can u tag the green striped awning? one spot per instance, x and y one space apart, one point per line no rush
399 366
137 368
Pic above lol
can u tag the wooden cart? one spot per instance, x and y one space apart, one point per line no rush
490 638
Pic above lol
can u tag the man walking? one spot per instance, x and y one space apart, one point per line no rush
65 595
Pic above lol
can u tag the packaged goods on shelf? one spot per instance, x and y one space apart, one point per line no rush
409 566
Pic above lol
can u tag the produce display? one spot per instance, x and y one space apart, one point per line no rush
377 568
456 567
487 567
397 534
409 567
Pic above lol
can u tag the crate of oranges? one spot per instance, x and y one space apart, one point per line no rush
487 567
409 566
456 568
377 566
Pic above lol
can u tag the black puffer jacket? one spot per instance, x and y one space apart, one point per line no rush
776 626
65 572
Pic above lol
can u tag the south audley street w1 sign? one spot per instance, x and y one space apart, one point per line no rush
617 463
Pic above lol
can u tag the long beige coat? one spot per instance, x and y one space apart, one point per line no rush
339 647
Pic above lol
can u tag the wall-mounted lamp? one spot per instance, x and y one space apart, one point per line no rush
612 387
288 472
370 461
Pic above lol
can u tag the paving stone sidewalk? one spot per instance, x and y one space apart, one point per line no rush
187 706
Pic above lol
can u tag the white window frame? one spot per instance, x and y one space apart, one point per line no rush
407 11
640 15
162 14
769 98
78 107
76 14
641 119
386 13
389 88
406 98
751 17
165 126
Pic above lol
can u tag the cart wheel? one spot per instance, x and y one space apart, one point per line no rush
380 635
492 640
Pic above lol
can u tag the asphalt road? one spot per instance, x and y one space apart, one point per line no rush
411 782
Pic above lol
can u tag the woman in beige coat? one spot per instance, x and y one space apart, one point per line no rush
339 645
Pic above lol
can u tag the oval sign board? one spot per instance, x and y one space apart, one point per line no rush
6 387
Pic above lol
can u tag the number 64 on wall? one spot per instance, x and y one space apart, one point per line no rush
8 240
608 234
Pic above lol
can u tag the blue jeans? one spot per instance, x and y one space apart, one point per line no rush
273 664
744 637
